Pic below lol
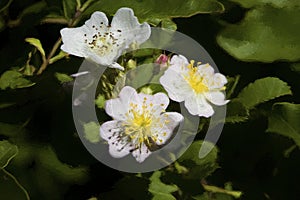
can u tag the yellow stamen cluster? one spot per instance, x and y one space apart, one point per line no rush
140 123
194 79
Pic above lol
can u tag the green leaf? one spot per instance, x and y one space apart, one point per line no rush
91 132
37 43
7 152
160 190
266 34
263 90
63 78
168 24
13 79
284 120
236 112
199 168
69 7
155 11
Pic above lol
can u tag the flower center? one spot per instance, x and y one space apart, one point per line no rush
103 43
140 122
195 80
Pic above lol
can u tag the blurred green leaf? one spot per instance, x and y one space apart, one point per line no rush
263 90
296 67
10 130
143 52
130 187
266 34
140 76
199 168
100 101
158 10
63 78
120 83
210 196
2 24
5 105
37 44
48 160
35 8
284 120
69 7
13 79
160 190
274 3
92 132
7 152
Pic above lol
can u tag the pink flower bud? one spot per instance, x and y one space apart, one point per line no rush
162 60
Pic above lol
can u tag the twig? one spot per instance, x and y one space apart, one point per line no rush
17 182
51 54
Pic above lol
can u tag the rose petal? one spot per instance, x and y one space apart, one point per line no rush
216 97
141 154
127 27
197 105
178 89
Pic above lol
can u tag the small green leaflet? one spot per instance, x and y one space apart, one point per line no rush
14 79
92 132
7 152
160 190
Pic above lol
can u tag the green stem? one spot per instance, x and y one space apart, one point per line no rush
85 5
78 6
51 54
17 183
54 21
72 23
230 92
6 6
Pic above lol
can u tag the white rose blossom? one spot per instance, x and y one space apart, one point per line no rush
198 86
139 121
102 43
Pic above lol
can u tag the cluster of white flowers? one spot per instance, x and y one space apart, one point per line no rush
140 120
